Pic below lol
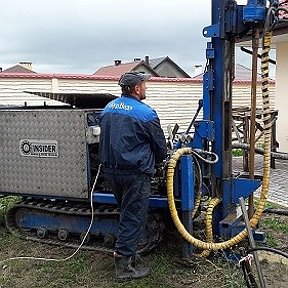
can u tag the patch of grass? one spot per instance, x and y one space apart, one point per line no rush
232 280
6 203
237 152
268 204
91 269
7 240
275 224
161 266
271 241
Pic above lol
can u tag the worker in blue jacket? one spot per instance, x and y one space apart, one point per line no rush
131 142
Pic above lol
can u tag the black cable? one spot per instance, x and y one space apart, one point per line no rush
247 272
273 250
276 211
200 105
258 55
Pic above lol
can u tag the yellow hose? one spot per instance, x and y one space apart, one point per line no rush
196 205
266 168
209 229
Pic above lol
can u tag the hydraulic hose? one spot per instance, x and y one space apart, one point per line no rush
267 38
209 229
209 217
174 213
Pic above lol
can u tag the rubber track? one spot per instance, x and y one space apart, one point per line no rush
155 226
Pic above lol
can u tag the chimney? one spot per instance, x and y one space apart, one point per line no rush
198 69
117 62
0 69
26 64
137 59
147 60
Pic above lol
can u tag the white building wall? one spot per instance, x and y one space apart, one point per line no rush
12 91
88 86
281 99
174 101
242 95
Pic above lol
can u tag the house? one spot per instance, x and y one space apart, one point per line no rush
280 40
157 67
120 68
21 67
165 67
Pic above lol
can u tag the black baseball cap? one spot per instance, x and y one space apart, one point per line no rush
132 78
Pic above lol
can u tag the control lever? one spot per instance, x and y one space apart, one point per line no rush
200 105
171 135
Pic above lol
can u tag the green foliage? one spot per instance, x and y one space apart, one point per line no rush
5 203
267 204
237 152
271 241
275 224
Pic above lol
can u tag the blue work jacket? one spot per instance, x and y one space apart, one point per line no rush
131 139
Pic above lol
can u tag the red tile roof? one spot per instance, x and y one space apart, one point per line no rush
85 77
114 70
243 75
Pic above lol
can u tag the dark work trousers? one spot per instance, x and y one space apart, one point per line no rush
132 193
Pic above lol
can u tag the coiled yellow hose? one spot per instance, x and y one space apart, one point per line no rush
209 229
266 168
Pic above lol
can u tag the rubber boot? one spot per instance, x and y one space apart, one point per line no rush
127 270
137 260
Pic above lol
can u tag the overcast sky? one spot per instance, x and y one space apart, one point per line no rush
80 36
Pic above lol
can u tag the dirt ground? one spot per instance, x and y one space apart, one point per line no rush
91 269
216 272
275 267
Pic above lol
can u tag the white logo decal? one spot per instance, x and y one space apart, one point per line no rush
121 106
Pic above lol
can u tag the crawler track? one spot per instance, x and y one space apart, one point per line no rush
40 210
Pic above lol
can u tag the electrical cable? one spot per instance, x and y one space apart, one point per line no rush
268 249
245 264
83 240
277 211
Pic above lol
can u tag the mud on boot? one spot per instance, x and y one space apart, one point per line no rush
127 270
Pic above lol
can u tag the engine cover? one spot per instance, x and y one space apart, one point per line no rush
44 152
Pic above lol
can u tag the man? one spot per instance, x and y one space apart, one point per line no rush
131 142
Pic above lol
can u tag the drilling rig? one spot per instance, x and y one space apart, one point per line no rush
49 157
